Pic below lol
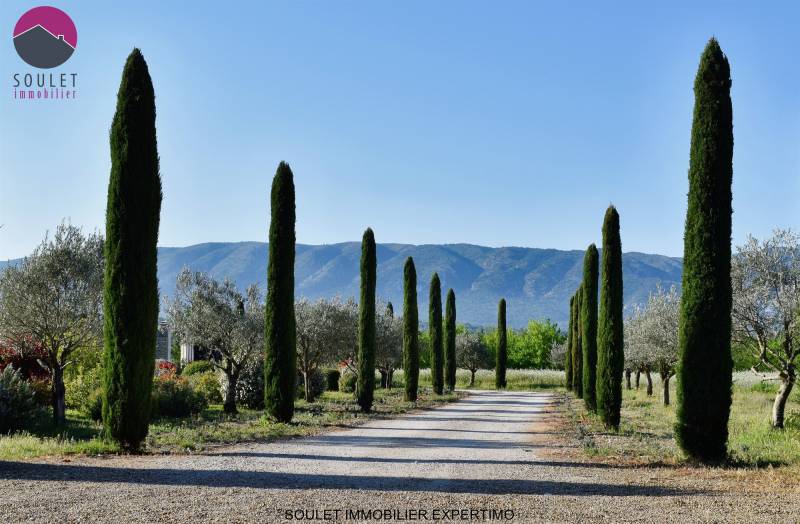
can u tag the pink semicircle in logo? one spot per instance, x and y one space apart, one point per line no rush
56 21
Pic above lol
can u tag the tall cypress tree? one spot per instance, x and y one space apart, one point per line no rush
410 331
589 327
704 386
568 352
435 331
577 349
280 359
610 349
365 386
390 309
131 285
450 341
502 346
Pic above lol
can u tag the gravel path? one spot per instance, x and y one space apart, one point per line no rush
482 458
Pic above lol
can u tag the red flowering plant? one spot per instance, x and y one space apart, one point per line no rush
164 368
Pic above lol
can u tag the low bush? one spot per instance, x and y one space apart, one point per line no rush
17 401
175 397
93 407
250 388
347 381
207 384
332 379
317 384
196 367
81 388
165 367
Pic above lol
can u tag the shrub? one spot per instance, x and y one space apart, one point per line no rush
165 367
332 379
197 366
174 397
81 388
347 381
316 384
17 400
93 406
250 388
207 384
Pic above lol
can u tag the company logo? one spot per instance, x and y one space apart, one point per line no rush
45 37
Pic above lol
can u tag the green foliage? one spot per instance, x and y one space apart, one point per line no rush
82 388
131 286
577 346
207 384
280 360
588 320
175 354
743 357
435 330
250 386
450 341
410 332
317 384
347 381
704 385
174 396
502 346
610 347
332 379
366 323
17 401
196 367
568 354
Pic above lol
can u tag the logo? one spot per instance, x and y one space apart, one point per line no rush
45 37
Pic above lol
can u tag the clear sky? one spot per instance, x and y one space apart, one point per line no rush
494 123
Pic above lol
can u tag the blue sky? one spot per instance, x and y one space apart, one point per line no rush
494 123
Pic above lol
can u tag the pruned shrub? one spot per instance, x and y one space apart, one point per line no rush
196 367
317 385
347 381
207 384
332 379
17 401
250 387
175 397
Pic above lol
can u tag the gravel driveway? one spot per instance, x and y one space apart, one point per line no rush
482 458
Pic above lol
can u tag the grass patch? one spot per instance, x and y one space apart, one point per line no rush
646 437
81 435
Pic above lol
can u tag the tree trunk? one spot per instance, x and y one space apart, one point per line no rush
306 388
389 378
472 378
58 401
628 378
638 375
649 382
384 374
665 382
229 404
779 406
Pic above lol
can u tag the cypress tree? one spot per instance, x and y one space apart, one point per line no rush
365 386
450 341
577 349
568 352
410 331
705 362
502 347
130 282
435 331
280 359
588 316
610 349
390 309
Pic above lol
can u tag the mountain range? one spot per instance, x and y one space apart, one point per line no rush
537 283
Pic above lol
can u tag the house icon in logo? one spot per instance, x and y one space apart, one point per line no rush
45 37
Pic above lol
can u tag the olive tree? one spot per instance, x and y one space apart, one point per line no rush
766 304
389 344
472 353
52 303
658 334
216 315
326 331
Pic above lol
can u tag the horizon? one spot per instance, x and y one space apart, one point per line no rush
409 124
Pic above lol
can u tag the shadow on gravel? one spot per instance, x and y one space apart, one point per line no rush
273 480
391 460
